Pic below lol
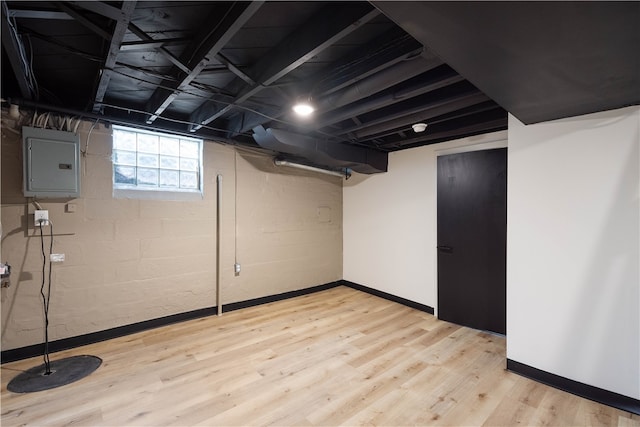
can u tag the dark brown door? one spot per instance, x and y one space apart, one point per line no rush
472 239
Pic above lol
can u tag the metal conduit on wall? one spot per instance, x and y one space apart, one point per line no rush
218 221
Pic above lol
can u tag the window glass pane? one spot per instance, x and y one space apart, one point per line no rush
188 180
189 149
147 160
169 178
148 177
167 162
124 175
169 146
189 164
147 143
123 140
124 158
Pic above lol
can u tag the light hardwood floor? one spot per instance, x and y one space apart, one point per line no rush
337 357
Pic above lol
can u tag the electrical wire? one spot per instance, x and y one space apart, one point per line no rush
61 45
184 122
46 298
198 86
208 98
86 148
184 92
147 71
195 85
86 144
32 75
27 69
58 122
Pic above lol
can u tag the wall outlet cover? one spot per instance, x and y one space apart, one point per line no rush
41 217
56 257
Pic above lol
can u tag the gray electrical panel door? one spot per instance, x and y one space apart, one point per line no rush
52 163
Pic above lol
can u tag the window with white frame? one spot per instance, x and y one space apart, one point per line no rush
144 160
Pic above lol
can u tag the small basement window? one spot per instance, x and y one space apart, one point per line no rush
155 162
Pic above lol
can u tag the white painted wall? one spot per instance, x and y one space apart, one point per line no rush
573 278
389 221
573 281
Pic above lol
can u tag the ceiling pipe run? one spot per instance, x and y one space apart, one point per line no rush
346 174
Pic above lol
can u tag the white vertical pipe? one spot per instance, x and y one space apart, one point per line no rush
278 162
218 273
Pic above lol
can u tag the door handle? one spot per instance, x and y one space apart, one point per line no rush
445 249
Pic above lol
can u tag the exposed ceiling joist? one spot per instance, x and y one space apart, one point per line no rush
384 51
324 29
367 65
16 57
235 70
419 113
199 53
371 72
149 43
101 8
114 48
379 81
80 18
426 82
39 14
442 117
309 40
440 135
146 37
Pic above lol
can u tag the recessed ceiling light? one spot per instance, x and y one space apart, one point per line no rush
303 109
419 127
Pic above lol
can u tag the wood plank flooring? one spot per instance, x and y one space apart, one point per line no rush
337 357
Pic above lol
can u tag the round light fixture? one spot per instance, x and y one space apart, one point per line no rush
303 109
419 127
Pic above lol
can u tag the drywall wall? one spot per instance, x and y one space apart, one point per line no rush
390 221
130 260
573 279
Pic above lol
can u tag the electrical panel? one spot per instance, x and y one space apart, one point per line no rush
51 163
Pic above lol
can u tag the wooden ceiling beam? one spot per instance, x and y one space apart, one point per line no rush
198 54
114 48
16 57
312 37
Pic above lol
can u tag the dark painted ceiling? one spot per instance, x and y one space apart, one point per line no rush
231 71
539 60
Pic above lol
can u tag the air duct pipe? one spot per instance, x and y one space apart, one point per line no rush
321 152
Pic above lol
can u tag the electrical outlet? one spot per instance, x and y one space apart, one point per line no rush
41 218
236 268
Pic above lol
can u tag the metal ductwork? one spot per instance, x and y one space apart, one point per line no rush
322 153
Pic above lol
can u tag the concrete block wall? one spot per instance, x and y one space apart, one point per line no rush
130 260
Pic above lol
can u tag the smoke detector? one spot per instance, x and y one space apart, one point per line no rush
419 127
